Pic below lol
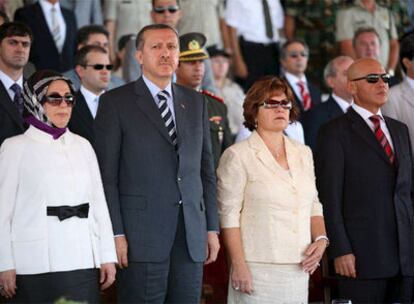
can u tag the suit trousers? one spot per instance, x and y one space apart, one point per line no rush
261 60
175 280
397 289
77 285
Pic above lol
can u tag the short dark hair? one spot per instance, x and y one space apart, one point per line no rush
283 50
153 3
139 43
20 29
406 50
363 30
85 31
122 42
80 58
262 90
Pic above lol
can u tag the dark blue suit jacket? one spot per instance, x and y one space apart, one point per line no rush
43 53
367 201
316 117
146 179
81 121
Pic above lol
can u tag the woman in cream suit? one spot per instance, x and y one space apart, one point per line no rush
55 226
270 215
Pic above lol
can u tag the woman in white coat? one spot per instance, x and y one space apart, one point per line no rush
270 215
55 226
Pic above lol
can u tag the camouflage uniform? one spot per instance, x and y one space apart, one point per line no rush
315 24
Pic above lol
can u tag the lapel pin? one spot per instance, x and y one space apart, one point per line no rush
182 106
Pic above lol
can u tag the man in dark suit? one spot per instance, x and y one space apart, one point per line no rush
153 144
364 175
94 69
335 75
294 56
190 73
54 32
15 40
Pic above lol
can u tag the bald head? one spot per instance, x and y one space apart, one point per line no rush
369 95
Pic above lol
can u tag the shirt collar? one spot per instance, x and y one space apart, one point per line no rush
8 82
364 113
410 82
154 89
293 79
342 103
47 6
89 96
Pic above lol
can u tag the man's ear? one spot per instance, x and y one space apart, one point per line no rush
406 62
352 87
329 82
80 70
138 56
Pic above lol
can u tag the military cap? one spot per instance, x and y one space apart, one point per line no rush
213 51
192 47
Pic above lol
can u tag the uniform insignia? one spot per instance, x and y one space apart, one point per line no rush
216 119
208 93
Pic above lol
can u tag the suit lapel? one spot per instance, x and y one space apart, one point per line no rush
334 110
181 106
9 107
146 104
362 130
396 139
297 99
83 111
266 157
43 25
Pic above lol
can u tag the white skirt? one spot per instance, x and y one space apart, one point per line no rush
274 283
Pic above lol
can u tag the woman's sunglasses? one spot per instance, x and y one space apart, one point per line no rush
271 104
56 99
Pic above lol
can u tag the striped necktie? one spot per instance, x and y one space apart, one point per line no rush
56 29
379 134
306 99
166 115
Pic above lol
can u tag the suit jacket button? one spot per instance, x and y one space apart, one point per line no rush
179 179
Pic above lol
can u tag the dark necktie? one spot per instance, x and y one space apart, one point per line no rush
379 134
267 19
167 115
18 97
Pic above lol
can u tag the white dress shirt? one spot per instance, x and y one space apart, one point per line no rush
154 89
47 12
248 18
8 82
293 81
365 114
342 103
91 99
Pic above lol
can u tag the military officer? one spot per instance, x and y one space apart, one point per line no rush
190 73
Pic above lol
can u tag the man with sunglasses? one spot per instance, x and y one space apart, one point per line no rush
94 69
365 183
294 56
92 35
15 41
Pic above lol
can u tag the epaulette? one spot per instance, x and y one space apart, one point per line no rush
208 93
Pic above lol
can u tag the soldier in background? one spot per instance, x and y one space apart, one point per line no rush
190 73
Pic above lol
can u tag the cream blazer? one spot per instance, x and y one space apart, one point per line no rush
272 208
35 172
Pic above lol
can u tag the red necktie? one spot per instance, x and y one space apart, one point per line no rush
306 99
379 134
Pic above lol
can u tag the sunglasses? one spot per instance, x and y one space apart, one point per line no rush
295 54
56 99
272 104
374 78
171 9
99 67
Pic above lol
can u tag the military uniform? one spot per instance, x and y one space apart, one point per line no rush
315 24
221 137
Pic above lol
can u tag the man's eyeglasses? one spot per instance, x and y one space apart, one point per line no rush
56 100
171 9
271 104
99 67
295 54
374 78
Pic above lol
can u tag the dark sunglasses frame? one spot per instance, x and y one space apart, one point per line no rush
56 99
99 67
374 78
272 104
171 9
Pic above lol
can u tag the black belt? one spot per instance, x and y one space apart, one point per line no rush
65 212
